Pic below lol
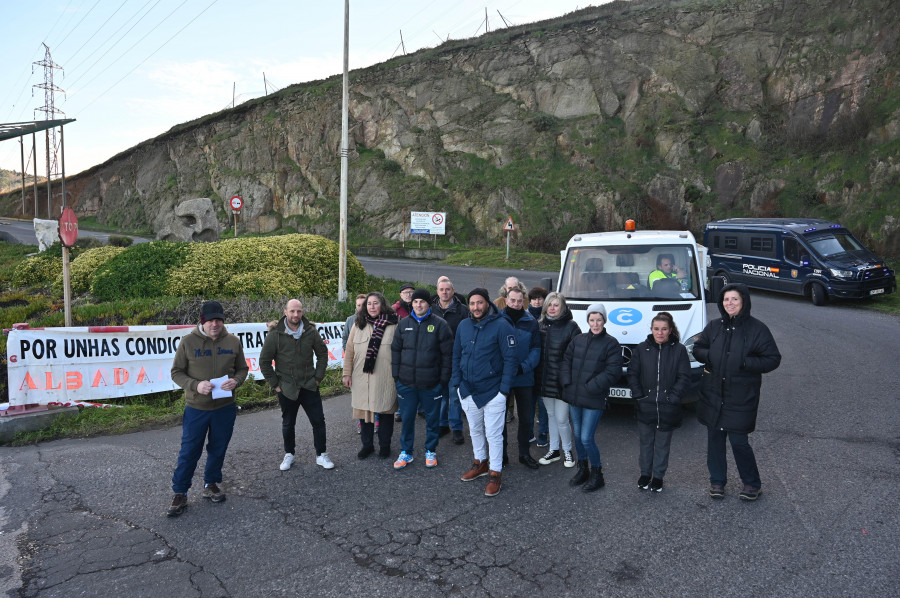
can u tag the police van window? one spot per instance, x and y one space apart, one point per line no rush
792 250
731 242
834 243
763 246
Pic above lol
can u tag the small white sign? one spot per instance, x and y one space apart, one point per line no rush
428 223
510 225
236 203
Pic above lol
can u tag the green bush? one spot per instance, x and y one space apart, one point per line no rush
40 270
120 241
85 243
139 271
84 267
287 265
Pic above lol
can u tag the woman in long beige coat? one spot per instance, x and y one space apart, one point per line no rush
367 373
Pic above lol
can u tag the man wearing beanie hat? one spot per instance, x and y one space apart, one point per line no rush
421 356
484 365
204 356
403 307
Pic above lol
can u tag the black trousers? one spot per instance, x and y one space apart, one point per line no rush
524 397
311 401
385 431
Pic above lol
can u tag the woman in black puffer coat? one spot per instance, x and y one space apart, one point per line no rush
659 376
737 349
557 331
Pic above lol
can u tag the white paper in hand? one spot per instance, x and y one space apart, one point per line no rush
217 392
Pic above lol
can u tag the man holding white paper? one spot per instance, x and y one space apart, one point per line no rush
209 365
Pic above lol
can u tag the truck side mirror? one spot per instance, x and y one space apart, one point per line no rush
716 284
804 260
547 283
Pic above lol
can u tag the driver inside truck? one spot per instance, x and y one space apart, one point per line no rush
665 268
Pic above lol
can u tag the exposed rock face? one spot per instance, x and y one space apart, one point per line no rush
708 108
192 220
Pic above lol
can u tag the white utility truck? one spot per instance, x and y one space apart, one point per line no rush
621 271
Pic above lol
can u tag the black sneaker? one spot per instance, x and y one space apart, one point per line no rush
656 485
717 491
212 492
397 417
750 493
458 437
550 457
644 482
179 504
443 431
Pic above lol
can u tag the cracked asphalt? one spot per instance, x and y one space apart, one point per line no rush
86 517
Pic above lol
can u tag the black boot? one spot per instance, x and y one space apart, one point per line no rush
581 474
596 482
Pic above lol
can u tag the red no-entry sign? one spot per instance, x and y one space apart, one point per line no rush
236 203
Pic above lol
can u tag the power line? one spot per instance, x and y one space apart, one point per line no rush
91 37
78 24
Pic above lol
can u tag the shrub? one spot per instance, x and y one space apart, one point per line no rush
84 267
119 241
138 271
85 243
287 265
39 270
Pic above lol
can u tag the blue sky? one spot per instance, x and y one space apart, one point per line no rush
132 69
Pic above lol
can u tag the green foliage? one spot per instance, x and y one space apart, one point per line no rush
82 269
11 255
139 271
287 265
40 270
120 241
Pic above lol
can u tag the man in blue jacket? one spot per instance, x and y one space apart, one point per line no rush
421 354
528 356
484 365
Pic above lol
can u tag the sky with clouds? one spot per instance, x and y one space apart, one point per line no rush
132 69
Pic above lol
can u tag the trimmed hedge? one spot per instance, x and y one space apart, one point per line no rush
139 271
84 267
39 270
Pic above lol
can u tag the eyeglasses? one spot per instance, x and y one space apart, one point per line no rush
406 292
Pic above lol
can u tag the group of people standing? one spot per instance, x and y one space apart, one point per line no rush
445 354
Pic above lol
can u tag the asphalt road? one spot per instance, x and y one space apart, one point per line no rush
85 517
22 231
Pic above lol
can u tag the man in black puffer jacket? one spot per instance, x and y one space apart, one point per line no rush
737 349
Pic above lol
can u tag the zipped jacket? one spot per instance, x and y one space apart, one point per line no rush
659 376
528 348
294 367
484 357
422 352
591 364
555 337
199 357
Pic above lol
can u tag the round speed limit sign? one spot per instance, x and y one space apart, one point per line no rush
236 203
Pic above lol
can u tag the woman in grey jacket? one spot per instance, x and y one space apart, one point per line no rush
659 376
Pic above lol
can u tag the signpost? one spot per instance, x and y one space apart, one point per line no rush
508 227
68 235
236 204
428 223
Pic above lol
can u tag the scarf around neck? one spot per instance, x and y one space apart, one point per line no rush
378 326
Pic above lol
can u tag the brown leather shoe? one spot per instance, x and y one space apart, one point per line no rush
479 468
493 485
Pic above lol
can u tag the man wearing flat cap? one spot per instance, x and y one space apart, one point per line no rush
209 365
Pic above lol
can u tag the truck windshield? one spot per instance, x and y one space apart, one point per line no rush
831 244
650 272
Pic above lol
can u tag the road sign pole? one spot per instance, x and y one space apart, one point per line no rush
67 287
507 246
235 224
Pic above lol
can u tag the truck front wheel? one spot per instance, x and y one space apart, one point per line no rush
818 294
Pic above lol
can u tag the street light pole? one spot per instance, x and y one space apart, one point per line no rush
345 148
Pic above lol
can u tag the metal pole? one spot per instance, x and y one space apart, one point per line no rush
22 151
49 217
62 162
67 276
34 153
235 223
507 246
345 148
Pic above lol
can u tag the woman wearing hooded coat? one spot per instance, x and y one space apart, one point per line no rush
367 373
736 350
659 376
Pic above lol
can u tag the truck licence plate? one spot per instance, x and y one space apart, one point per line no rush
620 393
876 291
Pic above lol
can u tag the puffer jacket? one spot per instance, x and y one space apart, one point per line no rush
555 337
422 352
659 377
293 357
528 348
736 353
484 357
591 364
454 314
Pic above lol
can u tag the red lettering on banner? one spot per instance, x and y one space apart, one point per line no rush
141 376
120 376
331 356
98 380
28 382
73 380
252 364
48 377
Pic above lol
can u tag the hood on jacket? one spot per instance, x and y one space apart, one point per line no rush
745 297
281 326
673 339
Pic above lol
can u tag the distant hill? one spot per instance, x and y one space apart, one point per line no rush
671 112
10 180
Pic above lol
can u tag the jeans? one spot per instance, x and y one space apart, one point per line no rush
654 456
524 397
743 458
196 426
560 431
543 419
311 401
412 400
584 423
451 410
486 429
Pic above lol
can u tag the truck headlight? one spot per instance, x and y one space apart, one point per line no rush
841 273
689 345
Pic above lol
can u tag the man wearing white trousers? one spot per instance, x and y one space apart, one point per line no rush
484 365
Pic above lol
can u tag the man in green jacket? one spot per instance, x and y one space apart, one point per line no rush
291 345
209 365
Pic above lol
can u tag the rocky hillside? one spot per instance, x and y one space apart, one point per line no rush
670 112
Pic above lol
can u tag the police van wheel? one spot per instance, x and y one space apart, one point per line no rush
724 276
818 294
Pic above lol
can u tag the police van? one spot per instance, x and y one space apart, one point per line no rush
814 258
622 271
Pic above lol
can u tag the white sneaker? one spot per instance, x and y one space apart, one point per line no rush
569 460
286 462
324 461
